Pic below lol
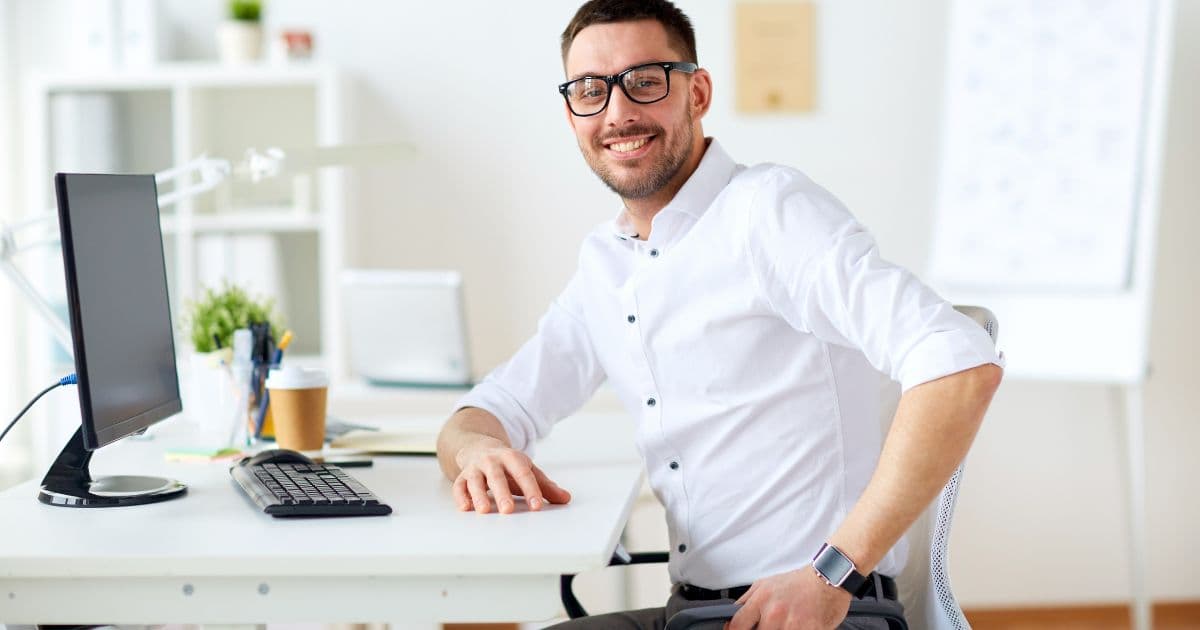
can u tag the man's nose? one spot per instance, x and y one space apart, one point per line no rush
621 110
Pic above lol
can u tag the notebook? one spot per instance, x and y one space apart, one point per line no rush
388 442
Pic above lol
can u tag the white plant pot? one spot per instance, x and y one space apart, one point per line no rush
239 41
208 398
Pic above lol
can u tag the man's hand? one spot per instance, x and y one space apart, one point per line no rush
506 472
797 600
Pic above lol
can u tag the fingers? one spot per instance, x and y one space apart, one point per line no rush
479 495
462 497
745 618
497 480
523 477
552 491
505 473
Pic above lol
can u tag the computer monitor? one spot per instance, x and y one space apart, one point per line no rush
406 327
121 331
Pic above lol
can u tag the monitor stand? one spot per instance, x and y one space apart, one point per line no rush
69 483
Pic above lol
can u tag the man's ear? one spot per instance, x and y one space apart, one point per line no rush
700 92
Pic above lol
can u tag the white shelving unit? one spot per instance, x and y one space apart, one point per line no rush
166 115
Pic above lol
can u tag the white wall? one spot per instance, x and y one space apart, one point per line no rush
500 192
11 458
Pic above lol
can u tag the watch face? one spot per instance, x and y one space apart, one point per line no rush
833 565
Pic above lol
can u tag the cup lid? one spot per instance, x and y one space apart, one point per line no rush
296 377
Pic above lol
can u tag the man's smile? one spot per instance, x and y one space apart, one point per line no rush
630 147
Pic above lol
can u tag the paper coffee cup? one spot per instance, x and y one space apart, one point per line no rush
298 406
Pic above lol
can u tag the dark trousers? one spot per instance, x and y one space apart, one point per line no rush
656 618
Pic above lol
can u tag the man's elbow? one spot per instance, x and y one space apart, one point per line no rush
987 378
979 385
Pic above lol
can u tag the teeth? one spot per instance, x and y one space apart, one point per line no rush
625 147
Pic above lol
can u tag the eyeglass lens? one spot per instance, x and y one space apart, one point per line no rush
644 84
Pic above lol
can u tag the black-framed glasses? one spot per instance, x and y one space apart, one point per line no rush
645 84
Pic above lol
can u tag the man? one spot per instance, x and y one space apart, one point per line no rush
742 315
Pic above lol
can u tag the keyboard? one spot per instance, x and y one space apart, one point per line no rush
300 489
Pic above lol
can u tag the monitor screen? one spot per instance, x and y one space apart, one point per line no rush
117 295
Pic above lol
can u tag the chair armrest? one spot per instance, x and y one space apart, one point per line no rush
685 619
890 611
872 608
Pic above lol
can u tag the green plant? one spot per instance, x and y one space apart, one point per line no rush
218 313
245 10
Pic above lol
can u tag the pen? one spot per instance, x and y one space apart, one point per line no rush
262 354
284 342
260 418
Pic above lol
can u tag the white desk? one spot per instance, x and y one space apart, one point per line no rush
213 557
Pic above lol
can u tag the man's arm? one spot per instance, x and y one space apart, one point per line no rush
934 426
822 272
933 429
549 377
475 453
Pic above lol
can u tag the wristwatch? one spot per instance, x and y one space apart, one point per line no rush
836 569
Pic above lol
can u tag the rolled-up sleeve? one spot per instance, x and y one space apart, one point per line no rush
549 377
821 271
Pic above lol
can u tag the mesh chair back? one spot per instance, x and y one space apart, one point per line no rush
924 583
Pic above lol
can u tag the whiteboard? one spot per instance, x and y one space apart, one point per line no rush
1043 129
1049 180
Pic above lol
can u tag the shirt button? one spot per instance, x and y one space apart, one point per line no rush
654 253
631 319
650 402
682 548
674 465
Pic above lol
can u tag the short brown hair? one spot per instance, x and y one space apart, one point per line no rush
675 22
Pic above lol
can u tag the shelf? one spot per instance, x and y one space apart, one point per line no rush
248 221
190 74
282 237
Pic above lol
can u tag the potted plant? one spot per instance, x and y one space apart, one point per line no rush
209 323
239 36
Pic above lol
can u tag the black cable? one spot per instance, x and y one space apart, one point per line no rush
66 380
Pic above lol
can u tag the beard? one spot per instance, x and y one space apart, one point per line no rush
647 180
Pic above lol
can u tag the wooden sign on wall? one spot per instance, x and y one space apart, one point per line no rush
775 57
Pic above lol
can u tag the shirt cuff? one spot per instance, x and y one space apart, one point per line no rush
947 352
516 422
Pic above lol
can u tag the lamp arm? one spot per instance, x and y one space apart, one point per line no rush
208 172
62 334
191 179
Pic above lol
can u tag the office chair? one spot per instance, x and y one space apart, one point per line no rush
924 584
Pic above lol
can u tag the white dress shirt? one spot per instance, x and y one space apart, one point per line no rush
745 337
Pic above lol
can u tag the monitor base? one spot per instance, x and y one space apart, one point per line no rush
69 483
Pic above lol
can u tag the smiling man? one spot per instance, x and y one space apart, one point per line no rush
743 316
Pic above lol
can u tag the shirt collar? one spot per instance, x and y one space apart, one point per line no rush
715 170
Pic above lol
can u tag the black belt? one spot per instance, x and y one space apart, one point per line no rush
697 593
